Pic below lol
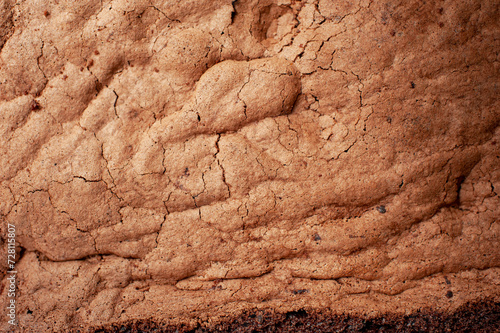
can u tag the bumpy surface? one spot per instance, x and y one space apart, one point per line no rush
475 317
191 160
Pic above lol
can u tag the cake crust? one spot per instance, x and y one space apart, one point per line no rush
196 163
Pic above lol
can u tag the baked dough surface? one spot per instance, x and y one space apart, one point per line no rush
191 160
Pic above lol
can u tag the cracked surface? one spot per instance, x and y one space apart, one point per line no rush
191 161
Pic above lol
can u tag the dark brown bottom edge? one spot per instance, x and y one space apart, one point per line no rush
482 316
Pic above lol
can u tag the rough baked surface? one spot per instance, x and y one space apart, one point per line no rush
187 161
475 317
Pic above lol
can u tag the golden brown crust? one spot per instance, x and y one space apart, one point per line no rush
187 161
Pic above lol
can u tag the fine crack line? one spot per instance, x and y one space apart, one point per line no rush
220 165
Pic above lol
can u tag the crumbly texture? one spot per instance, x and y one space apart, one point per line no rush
483 316
187 161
